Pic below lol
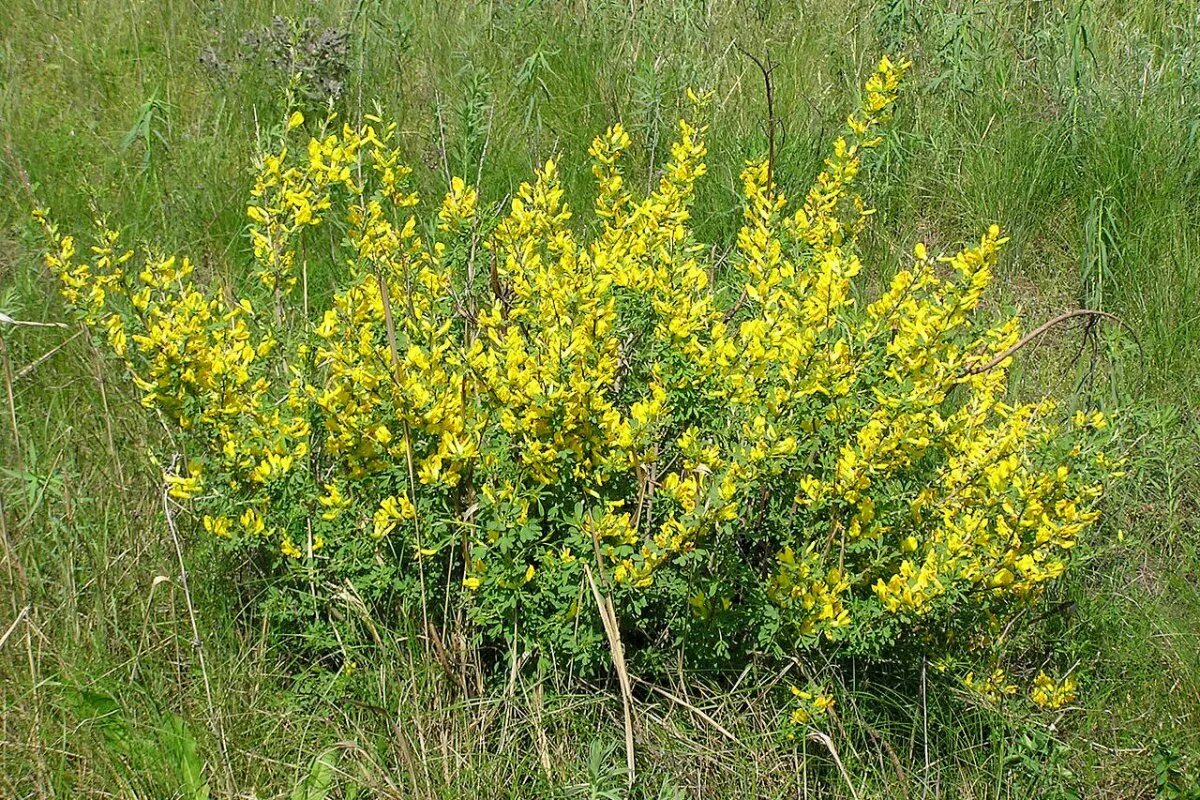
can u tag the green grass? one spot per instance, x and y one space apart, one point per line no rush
1073 124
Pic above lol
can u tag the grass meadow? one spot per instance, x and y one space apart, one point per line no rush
125 670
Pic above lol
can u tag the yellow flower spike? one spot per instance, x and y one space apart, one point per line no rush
458 207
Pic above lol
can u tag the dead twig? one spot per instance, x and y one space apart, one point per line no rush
5 319
608 617
718 727
13 626
44 357
1038 331
766 68
198 646
823 738
737 306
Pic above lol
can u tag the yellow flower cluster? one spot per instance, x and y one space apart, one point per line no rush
1045 692
994 688
1052 694
620 399
811 705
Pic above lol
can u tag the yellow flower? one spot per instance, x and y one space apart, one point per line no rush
1050 693
458 207
334 501
392 510
288 548
810 705
185 487
218 526
252 522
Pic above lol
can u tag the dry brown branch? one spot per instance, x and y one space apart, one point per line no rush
44 357
823 738
718 727
608 617
1038 331
198 646
766 68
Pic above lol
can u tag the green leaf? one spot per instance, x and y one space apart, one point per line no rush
179 747
318 783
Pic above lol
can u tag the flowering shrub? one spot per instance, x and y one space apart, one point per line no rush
502 416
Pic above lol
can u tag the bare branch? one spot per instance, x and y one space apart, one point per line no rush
1038 331
766 69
